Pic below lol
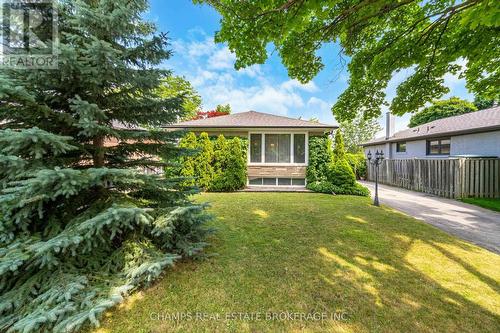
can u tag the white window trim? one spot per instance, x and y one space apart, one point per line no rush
263 146
276 182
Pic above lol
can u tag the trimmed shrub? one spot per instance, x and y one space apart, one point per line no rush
339 148
217 165
187 169
203 161
244 148
220 155
340 173
229 165
358 164
237 165
327 187
231 172
329 171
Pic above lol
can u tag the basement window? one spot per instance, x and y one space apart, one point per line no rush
276 181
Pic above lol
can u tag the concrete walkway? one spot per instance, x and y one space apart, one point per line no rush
475 224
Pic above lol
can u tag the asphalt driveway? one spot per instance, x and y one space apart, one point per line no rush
475 224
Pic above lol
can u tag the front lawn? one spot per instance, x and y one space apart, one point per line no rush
303 254
488 203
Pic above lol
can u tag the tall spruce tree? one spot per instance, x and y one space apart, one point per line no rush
81 225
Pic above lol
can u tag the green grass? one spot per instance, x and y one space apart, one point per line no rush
489 203
315 253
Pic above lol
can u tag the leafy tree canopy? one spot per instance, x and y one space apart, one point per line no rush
357 131
442 109
226 109
177 86
382 37
482 103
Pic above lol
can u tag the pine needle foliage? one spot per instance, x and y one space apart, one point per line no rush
81 224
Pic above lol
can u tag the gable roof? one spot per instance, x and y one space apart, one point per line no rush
250 119
474 122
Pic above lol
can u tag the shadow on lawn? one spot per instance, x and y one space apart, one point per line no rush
391 282
386 271
484 278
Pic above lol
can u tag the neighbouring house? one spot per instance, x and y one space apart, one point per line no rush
278 151
475 134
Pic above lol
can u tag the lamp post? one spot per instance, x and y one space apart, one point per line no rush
379 157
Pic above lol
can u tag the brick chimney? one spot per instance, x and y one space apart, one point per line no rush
389 125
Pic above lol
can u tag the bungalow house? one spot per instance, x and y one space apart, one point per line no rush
475 134
278 151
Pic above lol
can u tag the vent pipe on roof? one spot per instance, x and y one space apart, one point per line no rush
389 125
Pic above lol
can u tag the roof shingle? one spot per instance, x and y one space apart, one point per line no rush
474 122
250 119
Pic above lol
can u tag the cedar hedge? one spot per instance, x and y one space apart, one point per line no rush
214 165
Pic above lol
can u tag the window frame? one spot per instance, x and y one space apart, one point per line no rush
276 179
292 146
398 147
440 145
250 148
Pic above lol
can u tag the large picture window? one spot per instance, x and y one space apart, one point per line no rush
276 148
438 147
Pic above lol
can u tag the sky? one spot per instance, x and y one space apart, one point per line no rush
264 88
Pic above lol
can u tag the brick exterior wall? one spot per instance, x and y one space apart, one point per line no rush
276 171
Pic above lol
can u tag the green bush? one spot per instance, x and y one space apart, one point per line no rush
320 157
358 164
217 165
203 161
329 171
327 187
229 165
220 153
187 161
244 147
339 148
340 173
